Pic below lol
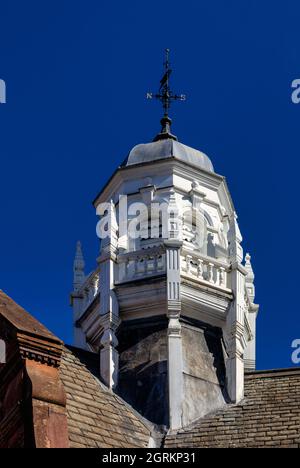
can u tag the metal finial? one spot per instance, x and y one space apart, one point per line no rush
166 97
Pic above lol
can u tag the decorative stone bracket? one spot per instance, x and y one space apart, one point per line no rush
109 356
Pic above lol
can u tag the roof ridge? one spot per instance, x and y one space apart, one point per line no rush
23 321
272 372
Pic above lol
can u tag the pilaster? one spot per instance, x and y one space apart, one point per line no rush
234 336
109 308
175 364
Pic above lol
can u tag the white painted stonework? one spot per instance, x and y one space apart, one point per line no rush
209 283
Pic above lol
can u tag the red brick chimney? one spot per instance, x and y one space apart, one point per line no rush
32 397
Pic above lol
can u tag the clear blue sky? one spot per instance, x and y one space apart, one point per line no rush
77 73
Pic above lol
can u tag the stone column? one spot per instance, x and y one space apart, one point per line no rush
175 363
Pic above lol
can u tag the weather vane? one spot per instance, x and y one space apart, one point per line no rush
166 97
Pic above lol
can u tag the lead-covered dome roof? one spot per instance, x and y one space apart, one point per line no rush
168 148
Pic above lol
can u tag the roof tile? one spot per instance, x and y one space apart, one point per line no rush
269 416
96 416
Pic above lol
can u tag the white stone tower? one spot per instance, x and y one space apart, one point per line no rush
170 312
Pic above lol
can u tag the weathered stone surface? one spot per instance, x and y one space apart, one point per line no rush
203 370
143 367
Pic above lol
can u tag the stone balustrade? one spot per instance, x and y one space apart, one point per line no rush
207 269
143 263
151 262
90 288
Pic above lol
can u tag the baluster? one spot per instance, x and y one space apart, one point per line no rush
200 268
188 260
122 269
146 264
217 279
136 266
127 268
222 277
155 263
210 271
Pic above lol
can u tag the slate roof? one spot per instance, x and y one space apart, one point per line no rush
96 416
269 416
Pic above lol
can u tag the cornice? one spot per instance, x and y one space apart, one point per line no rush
23 343
40 350
117 177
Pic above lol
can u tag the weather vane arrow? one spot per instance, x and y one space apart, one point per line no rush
166 97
